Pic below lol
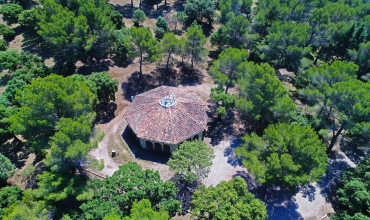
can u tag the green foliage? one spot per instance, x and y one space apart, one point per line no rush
218 95
199 10
195 41
30 211
287 155
27 172
116 18
46 101
286 44
262 95
142 210
229 8
121 44
9 195
169 46
29 18
362 57
219 39
54 187
192 161
10 13
3 45
161 27
7 169
181 17
343 100
221 111
6 31
145 45
236 29
128 184
138 17
5 113
77 28
228 200
105 85
162 23
354 196
224 69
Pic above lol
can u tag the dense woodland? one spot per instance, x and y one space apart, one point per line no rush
290 134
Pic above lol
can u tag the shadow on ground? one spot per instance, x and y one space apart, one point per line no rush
139 153
280 204
105 112
219 128
15 151
230 154
33 43
158 77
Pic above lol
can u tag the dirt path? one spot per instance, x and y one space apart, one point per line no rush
224 168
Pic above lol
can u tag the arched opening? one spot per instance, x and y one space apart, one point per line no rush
149 145
196 137
158 146
167 148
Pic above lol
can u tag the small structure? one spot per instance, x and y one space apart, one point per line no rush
164 117
283 75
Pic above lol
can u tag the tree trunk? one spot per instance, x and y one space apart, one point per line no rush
227 88
317 56
192 64
165 3
132 3
168 60
335 137
141 66
140 4
157 4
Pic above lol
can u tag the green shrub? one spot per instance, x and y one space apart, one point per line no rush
6 31
27 172
3 45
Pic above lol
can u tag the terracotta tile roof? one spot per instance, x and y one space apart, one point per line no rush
283 72
171 125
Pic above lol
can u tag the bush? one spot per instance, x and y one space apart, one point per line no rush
27 172
138 17
159 32
28 18
6 31
162 23
3 45
11 12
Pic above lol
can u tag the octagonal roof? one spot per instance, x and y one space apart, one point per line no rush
167 114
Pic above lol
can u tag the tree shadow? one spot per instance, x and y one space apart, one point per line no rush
219 128
280 204
16 152
308 191
330 181
105 112
126 10
94 65
143 154
188 76
185 193
230 154
134 85
178 5
33 43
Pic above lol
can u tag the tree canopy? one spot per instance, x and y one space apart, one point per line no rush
46 101
228 200
7 168
195 41
143 210
263 96
287 155
191 161
354 196
128 184
225 68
